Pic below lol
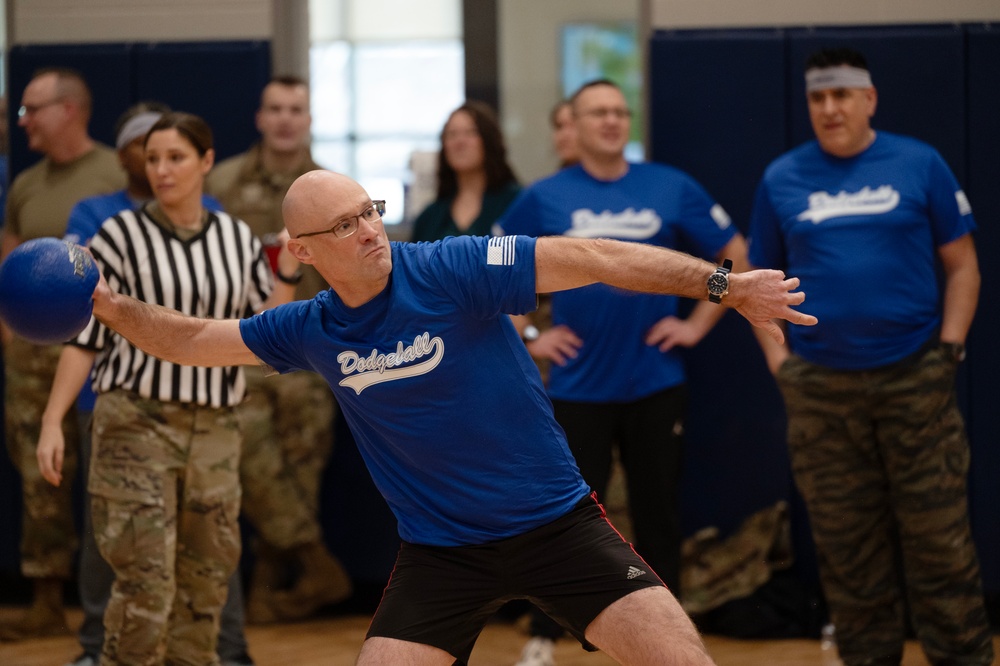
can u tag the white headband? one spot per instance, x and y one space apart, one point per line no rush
135 127
839 76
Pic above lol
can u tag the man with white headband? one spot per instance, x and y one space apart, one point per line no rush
877 443
96 576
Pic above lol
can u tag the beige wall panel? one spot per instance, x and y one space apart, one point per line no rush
83 21
528 44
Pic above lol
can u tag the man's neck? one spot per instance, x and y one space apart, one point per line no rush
605 168
68 150
281 162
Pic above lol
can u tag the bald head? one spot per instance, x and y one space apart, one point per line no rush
314 197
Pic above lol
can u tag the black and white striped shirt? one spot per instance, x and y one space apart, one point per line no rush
221 273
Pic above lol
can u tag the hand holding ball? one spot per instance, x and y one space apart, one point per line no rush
46 290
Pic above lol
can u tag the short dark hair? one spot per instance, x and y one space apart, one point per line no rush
288 80
592 84
834 57
193 128
70 84
498 170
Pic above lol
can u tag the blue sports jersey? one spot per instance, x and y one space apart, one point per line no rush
444 401
652 203
861 234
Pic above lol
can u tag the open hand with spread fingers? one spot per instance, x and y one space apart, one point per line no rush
764 295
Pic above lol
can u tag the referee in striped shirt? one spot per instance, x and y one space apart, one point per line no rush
164 477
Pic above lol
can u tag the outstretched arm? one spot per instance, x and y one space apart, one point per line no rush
760 296
71 373
170 335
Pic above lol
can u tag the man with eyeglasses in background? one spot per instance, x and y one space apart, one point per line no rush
617 377
55 110
287 421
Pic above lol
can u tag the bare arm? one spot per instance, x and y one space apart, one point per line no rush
71 373
961 287
760 296
672 332
170 335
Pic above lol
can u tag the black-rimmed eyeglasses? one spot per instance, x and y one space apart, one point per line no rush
349 225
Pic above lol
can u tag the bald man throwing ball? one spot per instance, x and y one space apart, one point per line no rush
452 420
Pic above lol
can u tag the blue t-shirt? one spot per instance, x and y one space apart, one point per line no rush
861 234
85 218
444 401
652 203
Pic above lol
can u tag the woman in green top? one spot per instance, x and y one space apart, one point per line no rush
475 182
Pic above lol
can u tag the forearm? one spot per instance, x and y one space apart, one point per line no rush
566 263
961 288
172 336
961 293
71 374
706 314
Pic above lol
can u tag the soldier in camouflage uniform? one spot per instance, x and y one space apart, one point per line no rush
287 420
55 112
877 443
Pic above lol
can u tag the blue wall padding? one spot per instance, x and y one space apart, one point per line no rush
220 81
983 187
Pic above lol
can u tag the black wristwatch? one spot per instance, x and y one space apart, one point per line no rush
530 333
956 350
718 282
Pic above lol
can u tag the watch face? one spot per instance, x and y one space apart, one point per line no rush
718 284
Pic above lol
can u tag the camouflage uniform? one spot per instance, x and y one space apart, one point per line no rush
48 538
281 483
288 424
881 458
165 491
288 419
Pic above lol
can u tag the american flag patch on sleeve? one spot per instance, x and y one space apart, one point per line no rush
500 251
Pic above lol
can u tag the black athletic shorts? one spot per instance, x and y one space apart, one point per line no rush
572 568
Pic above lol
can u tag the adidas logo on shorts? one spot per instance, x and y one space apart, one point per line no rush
635 572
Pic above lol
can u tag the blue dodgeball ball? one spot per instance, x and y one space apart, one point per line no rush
46 290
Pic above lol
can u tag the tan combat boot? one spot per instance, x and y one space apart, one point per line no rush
45 616
266 579
323 582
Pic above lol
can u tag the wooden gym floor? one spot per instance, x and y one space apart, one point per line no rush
335 641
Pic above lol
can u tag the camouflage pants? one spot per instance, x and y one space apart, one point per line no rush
881 458
48 538
287 425
165 494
